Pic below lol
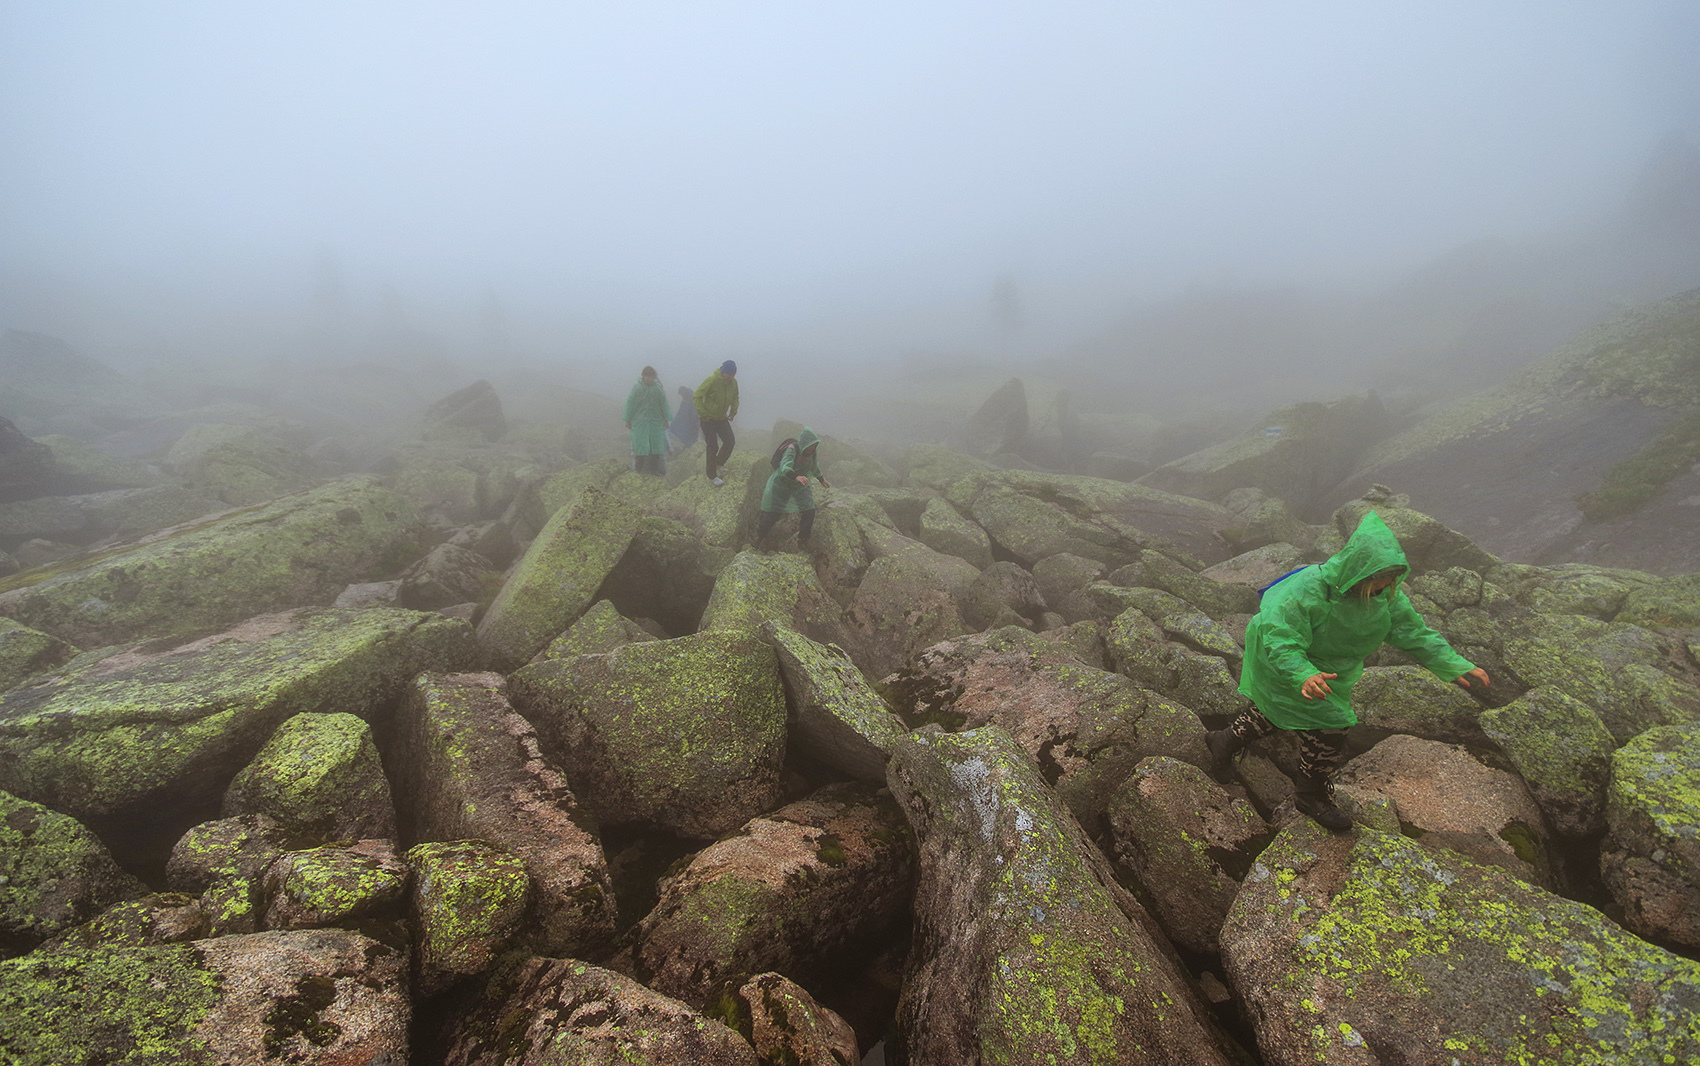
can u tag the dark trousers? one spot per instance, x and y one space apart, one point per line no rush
1320 750
805 524
717 429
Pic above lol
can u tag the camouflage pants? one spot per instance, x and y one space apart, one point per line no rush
1321 751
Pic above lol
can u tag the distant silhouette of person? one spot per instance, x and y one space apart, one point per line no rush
646 416
717 405
788 490
1317 625
684 427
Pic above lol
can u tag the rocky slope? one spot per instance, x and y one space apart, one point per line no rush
494 755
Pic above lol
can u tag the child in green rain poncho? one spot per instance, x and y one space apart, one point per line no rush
1305 649
647 416
788 490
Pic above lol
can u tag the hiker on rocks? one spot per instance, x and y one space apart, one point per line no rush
684 427
1305 648
717 405
788 490
646 416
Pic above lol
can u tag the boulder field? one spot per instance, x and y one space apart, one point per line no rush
489 755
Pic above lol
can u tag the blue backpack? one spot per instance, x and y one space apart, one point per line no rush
1280 579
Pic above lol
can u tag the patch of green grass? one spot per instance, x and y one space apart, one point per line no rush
1637 479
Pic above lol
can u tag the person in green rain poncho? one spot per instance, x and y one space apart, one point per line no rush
788 490
647 417
1305 649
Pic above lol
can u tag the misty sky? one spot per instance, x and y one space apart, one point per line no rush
748 165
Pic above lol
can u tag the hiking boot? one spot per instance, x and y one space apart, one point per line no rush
1317 806
1223 747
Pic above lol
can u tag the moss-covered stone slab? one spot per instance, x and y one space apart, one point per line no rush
157 918
223 863
300 550
757 588
1034 515
1577 588
153 734
809 890
943 529
1085 728
314 996
1023 951
1183 622
600 629
24 652
934 466
334 885
539 1012
468 767
1561 750
666 576
1140 649
1155 570
1003 594
54 874
1613 667
785 1024
1367 948
94 467
1187 842
1259 566
1673 603
240 465
724 516
1410 700
683 735
318 774
558 578
1451 800
1059 575
1651 856
562 490
1429 545
836 717
468 904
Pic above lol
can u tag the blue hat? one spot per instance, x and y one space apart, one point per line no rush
729 368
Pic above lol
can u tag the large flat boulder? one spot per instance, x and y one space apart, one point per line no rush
836 717
1651 856
151 735
1022 950
1366 948
299 551
558 577
468 767
685 736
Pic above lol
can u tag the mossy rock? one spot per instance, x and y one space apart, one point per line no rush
1216 599
1021 951
1561 750
943 529
562 490
1651 859
936 467
1141 650
240 465
153 734
468 900
336 884
25 653
442 489
836 717
93 466
558 577
1428 544
319 774
298 551
54 874
600 629
1673 603
1410 700
756 588
1596 591
1368 947
1613 667
683 735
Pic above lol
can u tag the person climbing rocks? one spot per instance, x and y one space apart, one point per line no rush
788 490
1305 649
717 405
684 427
647 418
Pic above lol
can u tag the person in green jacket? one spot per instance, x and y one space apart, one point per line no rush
788 490
1305 649
717 405
646 416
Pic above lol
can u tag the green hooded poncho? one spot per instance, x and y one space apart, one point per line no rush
783 495
1308 624
647 410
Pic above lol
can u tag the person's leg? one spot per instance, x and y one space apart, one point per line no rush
1224 744
764 525
1321 751
710 432
805 526
727 441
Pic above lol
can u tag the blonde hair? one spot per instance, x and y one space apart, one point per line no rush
1362 589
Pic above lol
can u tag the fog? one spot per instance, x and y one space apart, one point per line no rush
1169 202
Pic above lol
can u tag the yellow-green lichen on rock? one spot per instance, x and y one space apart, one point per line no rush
320 774
1022 952
1368 948
54 874
685 735
1651 856
1561 750
558 577
296 551
147 732
468 899
25 652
